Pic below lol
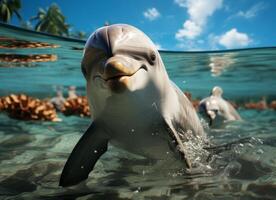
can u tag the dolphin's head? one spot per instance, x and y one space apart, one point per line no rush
118 60
212 108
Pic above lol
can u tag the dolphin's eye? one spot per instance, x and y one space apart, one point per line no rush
215 111
152 56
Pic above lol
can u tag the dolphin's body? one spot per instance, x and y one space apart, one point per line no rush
134 104
216 109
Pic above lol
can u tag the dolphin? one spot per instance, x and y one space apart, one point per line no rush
216 109
133 103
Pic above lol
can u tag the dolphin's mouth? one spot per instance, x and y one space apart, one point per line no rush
117 77
212 114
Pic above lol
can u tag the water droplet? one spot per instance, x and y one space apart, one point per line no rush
136 191
208 167
260 151
250 145
154 105
82 167
260 141
95 151
197 159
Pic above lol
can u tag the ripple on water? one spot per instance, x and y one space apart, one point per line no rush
31 162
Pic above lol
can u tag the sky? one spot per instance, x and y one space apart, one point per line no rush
179 25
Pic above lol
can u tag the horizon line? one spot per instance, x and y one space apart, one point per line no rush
161 51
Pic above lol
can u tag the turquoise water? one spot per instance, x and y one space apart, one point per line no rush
32 154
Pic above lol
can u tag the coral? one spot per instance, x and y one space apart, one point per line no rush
19 58
27 108
273 105
12 43
76 106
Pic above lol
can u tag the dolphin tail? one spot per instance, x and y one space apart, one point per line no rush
84 156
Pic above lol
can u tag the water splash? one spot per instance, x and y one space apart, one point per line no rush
194 150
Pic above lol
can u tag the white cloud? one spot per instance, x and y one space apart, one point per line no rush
199 11
151 14
181 3
190 30
158 46
251 12
234 39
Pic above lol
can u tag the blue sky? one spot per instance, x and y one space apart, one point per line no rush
175 24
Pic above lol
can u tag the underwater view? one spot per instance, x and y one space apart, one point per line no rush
33 152
166 100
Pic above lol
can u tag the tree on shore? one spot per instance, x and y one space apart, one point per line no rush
51 21
8 8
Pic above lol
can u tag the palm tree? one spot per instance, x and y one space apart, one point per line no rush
8 8
51 21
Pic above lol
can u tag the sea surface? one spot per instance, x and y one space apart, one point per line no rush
33 153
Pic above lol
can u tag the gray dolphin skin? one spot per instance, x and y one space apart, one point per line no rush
134 104
216 109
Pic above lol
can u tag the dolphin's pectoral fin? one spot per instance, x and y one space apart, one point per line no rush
84 156
178 143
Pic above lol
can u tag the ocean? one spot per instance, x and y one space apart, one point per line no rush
33 153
